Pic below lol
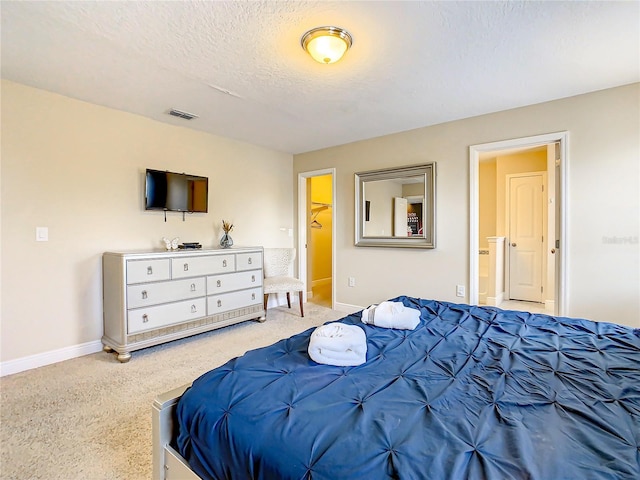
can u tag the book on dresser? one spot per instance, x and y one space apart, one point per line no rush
156 297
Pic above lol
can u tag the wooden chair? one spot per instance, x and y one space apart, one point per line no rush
278 265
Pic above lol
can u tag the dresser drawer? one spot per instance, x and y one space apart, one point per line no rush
233 281
164 292
194 266
139 271
149 318
230 301
248 261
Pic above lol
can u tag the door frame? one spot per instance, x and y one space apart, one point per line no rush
303 207
561 208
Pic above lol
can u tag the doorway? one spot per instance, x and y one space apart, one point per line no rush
548 273
316 235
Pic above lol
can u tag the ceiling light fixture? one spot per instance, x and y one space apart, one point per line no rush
326 44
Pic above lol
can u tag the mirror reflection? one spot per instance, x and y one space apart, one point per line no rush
395 207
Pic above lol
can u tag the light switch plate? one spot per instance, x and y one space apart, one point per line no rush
42 234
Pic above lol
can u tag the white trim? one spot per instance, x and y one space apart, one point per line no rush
318 283
474 214
280 299
474 165
321 282
495 301
302 226
47 358
346 308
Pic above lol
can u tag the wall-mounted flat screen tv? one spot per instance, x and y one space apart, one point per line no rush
176 192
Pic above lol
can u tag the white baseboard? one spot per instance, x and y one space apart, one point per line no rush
54 356
346 308
550 305
47 358
280 299
495 301
321 282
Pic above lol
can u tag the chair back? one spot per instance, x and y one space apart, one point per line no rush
278 261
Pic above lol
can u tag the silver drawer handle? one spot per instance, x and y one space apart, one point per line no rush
253 278
193 309
224 263
193 287
149 270
219 303
249 262
253 296
144 294
218 283
145 318
186 267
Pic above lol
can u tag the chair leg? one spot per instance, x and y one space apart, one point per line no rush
301 309
288 300
266 299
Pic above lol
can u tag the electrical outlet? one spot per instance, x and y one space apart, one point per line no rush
352 281
459 290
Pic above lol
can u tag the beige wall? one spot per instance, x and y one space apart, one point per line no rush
78 169
603 258
507 165
487 207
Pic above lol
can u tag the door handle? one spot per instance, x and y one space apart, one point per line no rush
514 244
553 250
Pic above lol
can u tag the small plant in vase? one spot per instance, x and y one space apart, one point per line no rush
226 241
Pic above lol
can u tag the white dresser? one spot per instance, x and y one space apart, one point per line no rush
155 297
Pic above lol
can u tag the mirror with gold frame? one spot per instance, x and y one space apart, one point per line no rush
395 207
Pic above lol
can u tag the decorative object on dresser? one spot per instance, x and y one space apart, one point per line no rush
187 245
226 241
171 244
278 263
155 297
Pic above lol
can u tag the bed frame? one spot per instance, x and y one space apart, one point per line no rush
167 463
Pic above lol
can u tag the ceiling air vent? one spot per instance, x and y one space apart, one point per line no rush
181 114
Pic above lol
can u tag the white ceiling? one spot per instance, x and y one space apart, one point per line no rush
240 67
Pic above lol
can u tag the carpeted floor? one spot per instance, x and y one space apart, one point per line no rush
90 417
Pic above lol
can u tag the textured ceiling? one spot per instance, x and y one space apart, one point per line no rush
240 67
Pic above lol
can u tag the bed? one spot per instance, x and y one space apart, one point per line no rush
471 393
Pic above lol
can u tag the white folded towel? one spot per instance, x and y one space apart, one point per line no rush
391 315
338 344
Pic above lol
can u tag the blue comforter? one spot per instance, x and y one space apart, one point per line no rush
471 393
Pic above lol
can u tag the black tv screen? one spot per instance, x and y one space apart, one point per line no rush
177 192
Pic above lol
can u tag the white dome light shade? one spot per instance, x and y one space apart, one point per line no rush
326 44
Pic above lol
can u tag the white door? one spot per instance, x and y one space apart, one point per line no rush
399 217
525 222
